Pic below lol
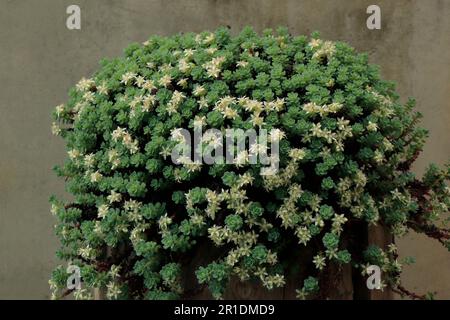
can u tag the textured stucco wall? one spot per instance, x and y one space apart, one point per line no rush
40 59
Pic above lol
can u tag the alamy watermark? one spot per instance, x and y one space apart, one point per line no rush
374 277
234 146
74 279
373 22
73 21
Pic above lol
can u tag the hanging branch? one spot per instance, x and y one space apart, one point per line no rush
432 231
402 291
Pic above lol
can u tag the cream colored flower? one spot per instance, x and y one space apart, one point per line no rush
56 130
86 252
59 110
388 146
184 66
325 49
213 67
257 120
165 68
114 271
202 103
188 53
230 113
128 77
392 248
102 211
113 290
319 261
177 135
132 205
371 126
211 50
136 100
96 176
140 81
118 133
114 197
127 139
102 89
297 154
164 222
258 148
73 154
199 121
303 235
241 158
89 160
209 38
378 156
182 83
165 80
54 209
254 106
148 102
89 96
213 71
177 98
242 64
84 84
199 91
112 154
277 134
314 43
276 105
149 85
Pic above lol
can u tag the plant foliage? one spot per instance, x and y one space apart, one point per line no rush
346 147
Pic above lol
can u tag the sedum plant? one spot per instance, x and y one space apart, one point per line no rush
346 145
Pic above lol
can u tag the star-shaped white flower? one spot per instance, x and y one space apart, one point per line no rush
202 103
96 176
102 89
165 80
242 64
149 85
114 197
127 77
103 211
199 91
182 83
56 130
73 154
140 81
59 110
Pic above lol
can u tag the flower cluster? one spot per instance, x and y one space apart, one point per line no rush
346 146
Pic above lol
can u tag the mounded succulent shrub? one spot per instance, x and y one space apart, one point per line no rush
346 147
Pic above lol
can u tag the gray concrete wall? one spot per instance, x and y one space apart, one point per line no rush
40 59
